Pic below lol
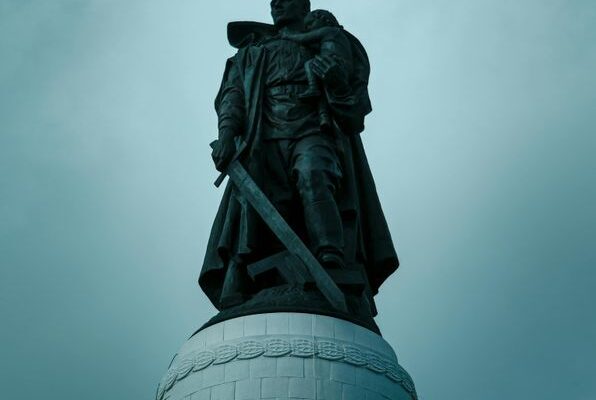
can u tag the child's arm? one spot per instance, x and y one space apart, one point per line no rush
312 36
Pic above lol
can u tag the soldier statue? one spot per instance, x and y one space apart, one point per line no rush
291 109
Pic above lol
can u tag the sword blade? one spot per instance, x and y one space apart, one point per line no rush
286 234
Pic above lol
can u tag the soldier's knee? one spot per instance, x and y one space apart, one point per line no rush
314 185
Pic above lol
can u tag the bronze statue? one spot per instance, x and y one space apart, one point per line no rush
300 227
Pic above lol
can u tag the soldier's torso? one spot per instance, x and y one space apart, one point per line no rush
285 115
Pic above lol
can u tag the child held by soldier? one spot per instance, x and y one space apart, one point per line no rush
323 28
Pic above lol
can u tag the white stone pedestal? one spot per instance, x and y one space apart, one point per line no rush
286 356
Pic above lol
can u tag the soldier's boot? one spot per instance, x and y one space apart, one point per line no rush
325 231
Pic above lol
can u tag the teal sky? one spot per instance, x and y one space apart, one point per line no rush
482 142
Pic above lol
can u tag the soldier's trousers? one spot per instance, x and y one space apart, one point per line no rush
307 168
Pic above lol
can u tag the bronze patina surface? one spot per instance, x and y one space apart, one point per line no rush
300 226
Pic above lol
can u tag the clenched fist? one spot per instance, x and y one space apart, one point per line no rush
223 151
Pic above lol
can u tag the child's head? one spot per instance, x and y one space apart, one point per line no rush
319 19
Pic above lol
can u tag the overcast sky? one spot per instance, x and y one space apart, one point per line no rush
482 143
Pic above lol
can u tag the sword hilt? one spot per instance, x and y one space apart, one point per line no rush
223 175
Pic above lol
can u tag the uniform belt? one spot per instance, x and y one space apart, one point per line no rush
294 88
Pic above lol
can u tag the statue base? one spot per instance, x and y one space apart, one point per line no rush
288 298
286 355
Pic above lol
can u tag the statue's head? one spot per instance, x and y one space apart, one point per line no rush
286 12
320 18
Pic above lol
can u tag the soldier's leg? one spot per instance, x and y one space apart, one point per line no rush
278 188
317 175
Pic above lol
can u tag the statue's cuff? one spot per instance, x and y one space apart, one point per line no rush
226 133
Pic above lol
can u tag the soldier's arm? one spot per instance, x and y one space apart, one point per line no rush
312 36
230 107
348 104
231 114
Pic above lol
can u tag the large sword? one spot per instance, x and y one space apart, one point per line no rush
286 235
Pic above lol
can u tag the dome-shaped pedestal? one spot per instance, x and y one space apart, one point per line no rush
286 356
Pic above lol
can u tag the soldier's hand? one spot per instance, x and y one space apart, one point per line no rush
223 151
330 72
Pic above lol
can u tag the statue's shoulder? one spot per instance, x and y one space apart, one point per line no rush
244 33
